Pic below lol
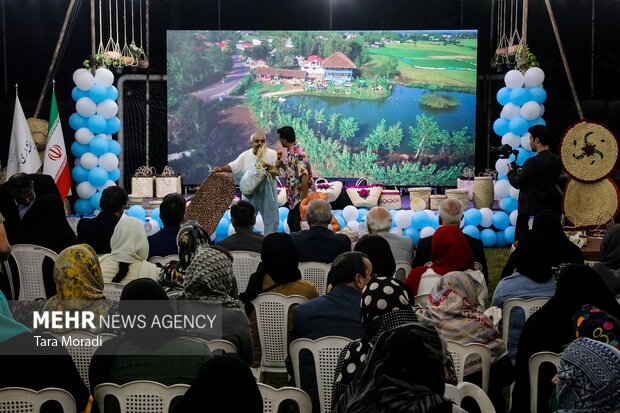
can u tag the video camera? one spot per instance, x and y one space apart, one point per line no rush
504 152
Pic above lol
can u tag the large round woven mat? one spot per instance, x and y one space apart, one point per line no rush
590 203
211 200
589 151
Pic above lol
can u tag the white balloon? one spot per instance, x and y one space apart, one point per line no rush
213 236
525 141
108 161
514 193
286 228
534 76
231 229
427 232
88 160
83 79
514 79
104 77
83 136
350 213
107 184
154 226
502 166
259 226
530 110
511 139
86 107
402 219
353 225
396 231
430 214
76 162
85 190
487 217
510 111
107 109
542 109
502 188
513 217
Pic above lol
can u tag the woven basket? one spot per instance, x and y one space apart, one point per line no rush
419 198
589 151
390 199
435 200
460 195
590 203
483 192
364 196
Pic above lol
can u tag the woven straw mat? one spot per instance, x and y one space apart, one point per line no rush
589 151
587 203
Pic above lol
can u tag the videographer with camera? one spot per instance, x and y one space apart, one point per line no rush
537 179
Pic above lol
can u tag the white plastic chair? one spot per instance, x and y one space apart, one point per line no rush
459 392
534 365
421 300
113 291
140 396
316 273
29 259
217 346
272 398
162 261
244 265
403 268
325 352
529 306
461 352
22 400
272 320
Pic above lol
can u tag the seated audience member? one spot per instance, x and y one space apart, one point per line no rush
376 319
35 367
379 222
225 385
455 310
405 372
592 322
279 273
552 327
130 249
533 278
450 252
209 279
98 231
319 243
560 249
5 246
171 212
609 266
379 253
451 213
334 314
243 218
149 353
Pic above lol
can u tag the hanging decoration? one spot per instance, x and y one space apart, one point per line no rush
510 43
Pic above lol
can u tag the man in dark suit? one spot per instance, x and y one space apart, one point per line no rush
98 231
171 212
451 213
243 218
319 243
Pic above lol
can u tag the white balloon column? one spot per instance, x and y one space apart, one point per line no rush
96 153
523 99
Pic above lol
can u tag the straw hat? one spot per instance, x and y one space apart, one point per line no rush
589 151
590 203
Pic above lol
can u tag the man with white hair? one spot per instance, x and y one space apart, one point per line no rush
265 197
451 213
379 221
319 243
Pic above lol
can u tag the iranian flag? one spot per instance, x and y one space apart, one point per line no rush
55 161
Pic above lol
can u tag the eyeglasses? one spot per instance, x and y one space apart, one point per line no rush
259 141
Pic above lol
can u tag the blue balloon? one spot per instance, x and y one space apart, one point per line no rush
538 121
281 226
524 155
114 175
137 211
114 147
77 121
472 231
501 177
111 92
503 95
227 214
222 228
336 213
96 124
519 125
488 237
362 212
97 176
500 239
283 213
501 126
472 217
537 94
509 204
94 200
79 174
341 221
509 234
78 93
98 146
518 96
78 149
419 220
83 207
434 222
155 216
413 234
501 220
98 93
113 125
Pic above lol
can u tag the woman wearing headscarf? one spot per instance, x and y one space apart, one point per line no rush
25 364
378 251
279 273
450 251
552 327
225 385
533 278
404 372
455 311
609 267
209 279
130 250
592 322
